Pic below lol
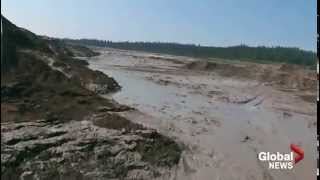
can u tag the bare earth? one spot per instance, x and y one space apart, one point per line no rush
223 115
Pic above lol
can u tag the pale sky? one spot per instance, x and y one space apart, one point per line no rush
206 22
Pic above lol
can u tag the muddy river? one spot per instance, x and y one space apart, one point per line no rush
222 122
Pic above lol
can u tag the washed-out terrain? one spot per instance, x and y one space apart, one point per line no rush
56 125
71 112
223 114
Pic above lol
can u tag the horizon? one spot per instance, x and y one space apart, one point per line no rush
111 24
178 43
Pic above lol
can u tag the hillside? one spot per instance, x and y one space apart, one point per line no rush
56 125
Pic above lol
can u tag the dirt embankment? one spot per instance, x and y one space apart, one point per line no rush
78 71
55 124
35 91
284 76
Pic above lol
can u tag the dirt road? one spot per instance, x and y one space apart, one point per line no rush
222 119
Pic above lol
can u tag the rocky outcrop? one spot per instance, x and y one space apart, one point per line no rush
83 150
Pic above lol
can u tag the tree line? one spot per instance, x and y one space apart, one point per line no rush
278 54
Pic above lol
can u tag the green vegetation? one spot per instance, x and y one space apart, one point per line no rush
159 150
260 54
14 38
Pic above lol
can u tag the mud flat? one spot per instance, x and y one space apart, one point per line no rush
223 114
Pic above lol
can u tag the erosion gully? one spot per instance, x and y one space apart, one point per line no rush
221 140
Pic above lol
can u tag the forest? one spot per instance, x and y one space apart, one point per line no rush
260 54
